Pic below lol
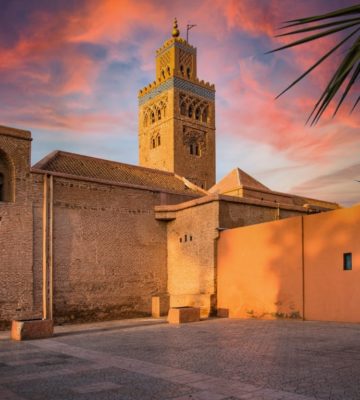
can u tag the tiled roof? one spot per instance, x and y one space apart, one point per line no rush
110 171
237 178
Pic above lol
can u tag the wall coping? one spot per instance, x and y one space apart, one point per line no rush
231 199
15 133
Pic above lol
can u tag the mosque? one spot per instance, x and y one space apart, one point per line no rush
83 238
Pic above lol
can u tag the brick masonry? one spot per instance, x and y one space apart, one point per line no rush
16 221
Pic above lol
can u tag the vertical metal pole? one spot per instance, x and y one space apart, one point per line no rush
44 250
51 263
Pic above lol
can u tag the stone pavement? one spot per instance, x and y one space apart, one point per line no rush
218 359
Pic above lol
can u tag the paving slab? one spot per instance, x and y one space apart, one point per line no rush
219 359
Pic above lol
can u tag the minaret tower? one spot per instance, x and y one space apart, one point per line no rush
177 116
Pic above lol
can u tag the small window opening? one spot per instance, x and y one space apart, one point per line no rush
168 70
188 72
163 73
1 187
347 261
158 141
194 149
159 114
182 70
153 143
180 240
190 238
152 117
185 238
197 113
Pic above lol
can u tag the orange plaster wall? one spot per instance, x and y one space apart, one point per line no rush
332 294
259 270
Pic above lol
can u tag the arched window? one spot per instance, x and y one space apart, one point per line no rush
183 108
153 143
188 72
7 178
158 140
205 115
152 117
191 111
197 113
159 114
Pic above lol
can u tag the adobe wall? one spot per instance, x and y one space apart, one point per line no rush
109 251
16 217
332 294
260 270
288 268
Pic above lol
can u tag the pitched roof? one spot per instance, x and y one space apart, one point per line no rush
237 178
77 165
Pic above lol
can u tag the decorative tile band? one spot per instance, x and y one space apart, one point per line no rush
178 83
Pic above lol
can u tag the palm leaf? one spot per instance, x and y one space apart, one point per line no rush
334 14
317 63
349 67
323 26
356 103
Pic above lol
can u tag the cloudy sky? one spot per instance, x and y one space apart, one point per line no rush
70 71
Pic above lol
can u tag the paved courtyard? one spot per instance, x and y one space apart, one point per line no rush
218 359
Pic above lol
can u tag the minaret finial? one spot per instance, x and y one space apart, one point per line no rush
175 31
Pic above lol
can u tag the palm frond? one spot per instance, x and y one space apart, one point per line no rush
341 12
348 69
317 27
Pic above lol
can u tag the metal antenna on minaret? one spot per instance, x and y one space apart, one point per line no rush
188 27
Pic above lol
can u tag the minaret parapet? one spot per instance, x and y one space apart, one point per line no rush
172 41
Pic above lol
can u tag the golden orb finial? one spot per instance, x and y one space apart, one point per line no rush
175 31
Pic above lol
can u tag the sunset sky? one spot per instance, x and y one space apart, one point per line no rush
70 71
